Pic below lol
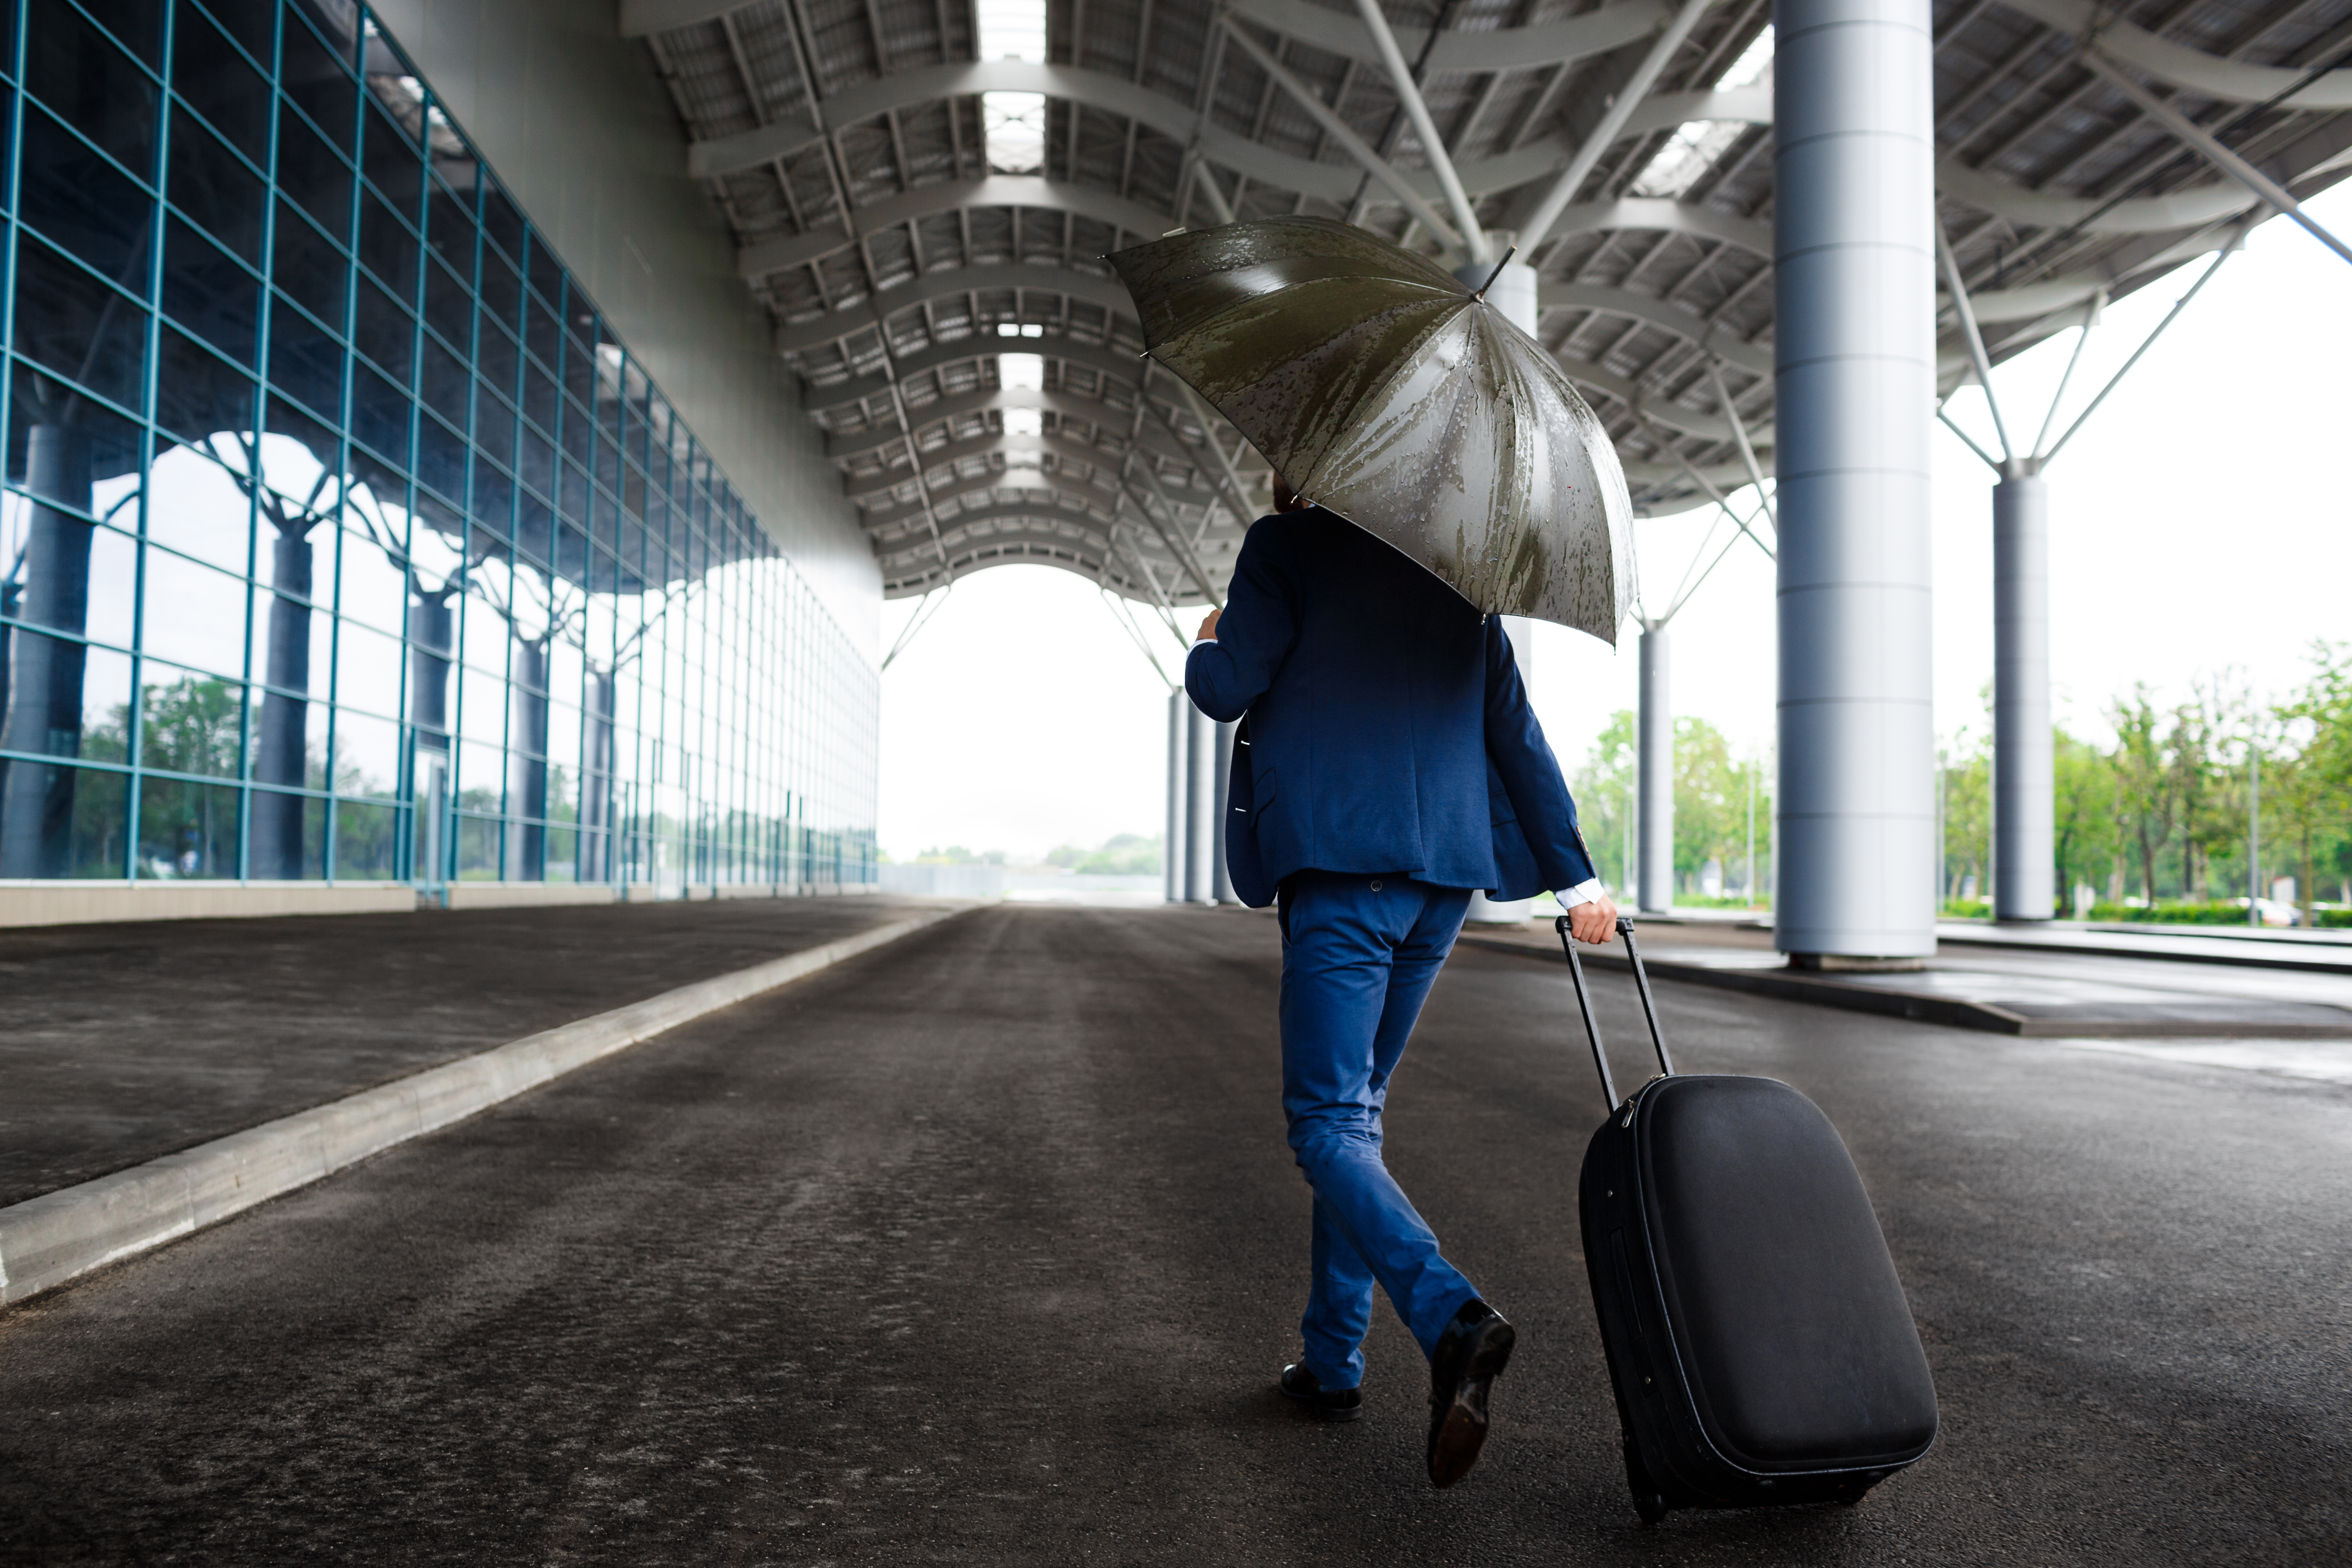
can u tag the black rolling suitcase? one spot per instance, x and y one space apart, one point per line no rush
1758 1342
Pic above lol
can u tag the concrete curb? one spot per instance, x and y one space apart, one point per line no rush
1952 1012
47 1240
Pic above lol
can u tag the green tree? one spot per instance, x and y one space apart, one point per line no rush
1966 806
1604 787
2312 767
2144 780
2087 842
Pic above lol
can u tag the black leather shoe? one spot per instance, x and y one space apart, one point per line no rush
1331 1404
1470 1355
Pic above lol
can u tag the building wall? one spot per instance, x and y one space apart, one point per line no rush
346 538
573 118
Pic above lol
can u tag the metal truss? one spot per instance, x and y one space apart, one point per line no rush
2085 150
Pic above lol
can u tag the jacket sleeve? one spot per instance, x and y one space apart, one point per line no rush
1531 773
1254 634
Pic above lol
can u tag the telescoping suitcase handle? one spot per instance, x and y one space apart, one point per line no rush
1584 1005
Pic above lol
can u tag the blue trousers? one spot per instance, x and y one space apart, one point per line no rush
1359 954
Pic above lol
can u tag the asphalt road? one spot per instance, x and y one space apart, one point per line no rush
984 1247
125 1042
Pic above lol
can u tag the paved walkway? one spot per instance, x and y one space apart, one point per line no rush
121 1042
2028 986
983 1247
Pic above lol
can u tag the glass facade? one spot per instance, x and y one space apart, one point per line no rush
341 538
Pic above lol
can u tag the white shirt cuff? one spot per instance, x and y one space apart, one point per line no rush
1202 642
1584 892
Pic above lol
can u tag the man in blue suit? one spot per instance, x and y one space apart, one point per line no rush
1391 766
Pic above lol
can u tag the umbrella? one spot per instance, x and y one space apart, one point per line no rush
1381 388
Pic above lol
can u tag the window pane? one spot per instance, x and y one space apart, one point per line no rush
496 359
253 23
197 395
449 308
190 724
207 292
312 77
388 247
379 416
367 754
314 175
304 362
309 268
440 458
368 670
391 158
384 331
78 814
64 699
187 832
449 226
211 185
89 83
289 834
220 84
365 840
195 505
444 383
139 24
193 616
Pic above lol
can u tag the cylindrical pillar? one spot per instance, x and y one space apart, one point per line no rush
40 710
1655 818
1853 353
2025 851
1171 842
1224 774
282 749
1200 806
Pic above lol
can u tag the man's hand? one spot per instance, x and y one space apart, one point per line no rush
1208 628
1594 923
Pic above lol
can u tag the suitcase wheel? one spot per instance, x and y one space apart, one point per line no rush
1648 1500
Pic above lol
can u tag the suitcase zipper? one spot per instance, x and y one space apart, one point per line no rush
1634 1098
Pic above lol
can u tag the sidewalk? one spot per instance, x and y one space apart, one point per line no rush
2048 988
125 1043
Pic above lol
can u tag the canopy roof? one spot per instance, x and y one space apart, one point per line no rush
848 142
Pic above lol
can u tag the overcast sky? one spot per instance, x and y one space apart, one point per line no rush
2200 526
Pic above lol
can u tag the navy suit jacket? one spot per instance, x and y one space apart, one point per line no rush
1387 727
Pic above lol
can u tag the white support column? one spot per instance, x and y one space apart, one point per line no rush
1200 805
1171 840
2024 875
1224 768
1854 346
1655 818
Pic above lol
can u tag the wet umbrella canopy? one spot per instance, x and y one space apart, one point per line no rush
1381 388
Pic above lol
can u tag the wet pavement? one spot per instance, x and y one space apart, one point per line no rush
2030 982
984 1247
122 1043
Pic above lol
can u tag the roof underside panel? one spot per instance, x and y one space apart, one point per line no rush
848 142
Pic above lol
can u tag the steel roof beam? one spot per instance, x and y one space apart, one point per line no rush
1537 227
2193 207
782 254
1709 335
1124 366
2178 65
1104 293
2202 141
1340 130
1433 145
1534 48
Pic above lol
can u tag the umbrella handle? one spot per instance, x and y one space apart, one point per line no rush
1481 294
